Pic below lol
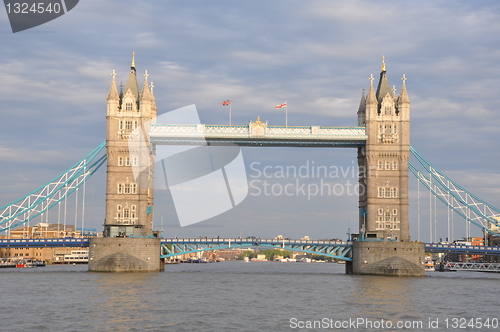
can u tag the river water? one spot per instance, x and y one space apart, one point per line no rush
239 296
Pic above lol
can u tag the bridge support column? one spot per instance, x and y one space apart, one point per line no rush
122 254
388 258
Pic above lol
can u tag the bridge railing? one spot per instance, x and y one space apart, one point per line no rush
244 131
459 248
257 241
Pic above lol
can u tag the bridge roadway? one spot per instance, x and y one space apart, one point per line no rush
319 246
247 135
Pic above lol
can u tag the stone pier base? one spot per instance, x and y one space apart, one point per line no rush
122 254
387 258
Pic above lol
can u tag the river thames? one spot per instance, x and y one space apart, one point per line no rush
239 296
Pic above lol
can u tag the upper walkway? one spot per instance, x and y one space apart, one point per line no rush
258 135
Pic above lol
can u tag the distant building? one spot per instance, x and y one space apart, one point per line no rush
39 231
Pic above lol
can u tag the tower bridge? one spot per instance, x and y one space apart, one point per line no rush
382 141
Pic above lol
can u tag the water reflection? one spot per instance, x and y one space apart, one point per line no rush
128 302
385 297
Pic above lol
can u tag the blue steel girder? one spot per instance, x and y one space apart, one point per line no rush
178 247
343 252
464 203
51 194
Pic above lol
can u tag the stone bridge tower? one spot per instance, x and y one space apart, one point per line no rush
384 246
128 243
129 201
383 161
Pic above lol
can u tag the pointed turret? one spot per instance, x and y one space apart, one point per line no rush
132 80
403 103
383 85
403 96
113 91
145 94
113 97
362 109
371 97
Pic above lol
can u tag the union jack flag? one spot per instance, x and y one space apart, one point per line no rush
226 102
281 105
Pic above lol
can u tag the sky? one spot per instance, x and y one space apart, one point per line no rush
316 55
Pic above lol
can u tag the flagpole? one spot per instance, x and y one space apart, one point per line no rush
230 113
286 113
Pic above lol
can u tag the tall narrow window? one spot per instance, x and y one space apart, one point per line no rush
120 161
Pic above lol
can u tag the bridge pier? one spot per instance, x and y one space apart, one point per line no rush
387 258
123 254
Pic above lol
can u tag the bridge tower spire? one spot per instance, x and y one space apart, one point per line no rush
383 161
